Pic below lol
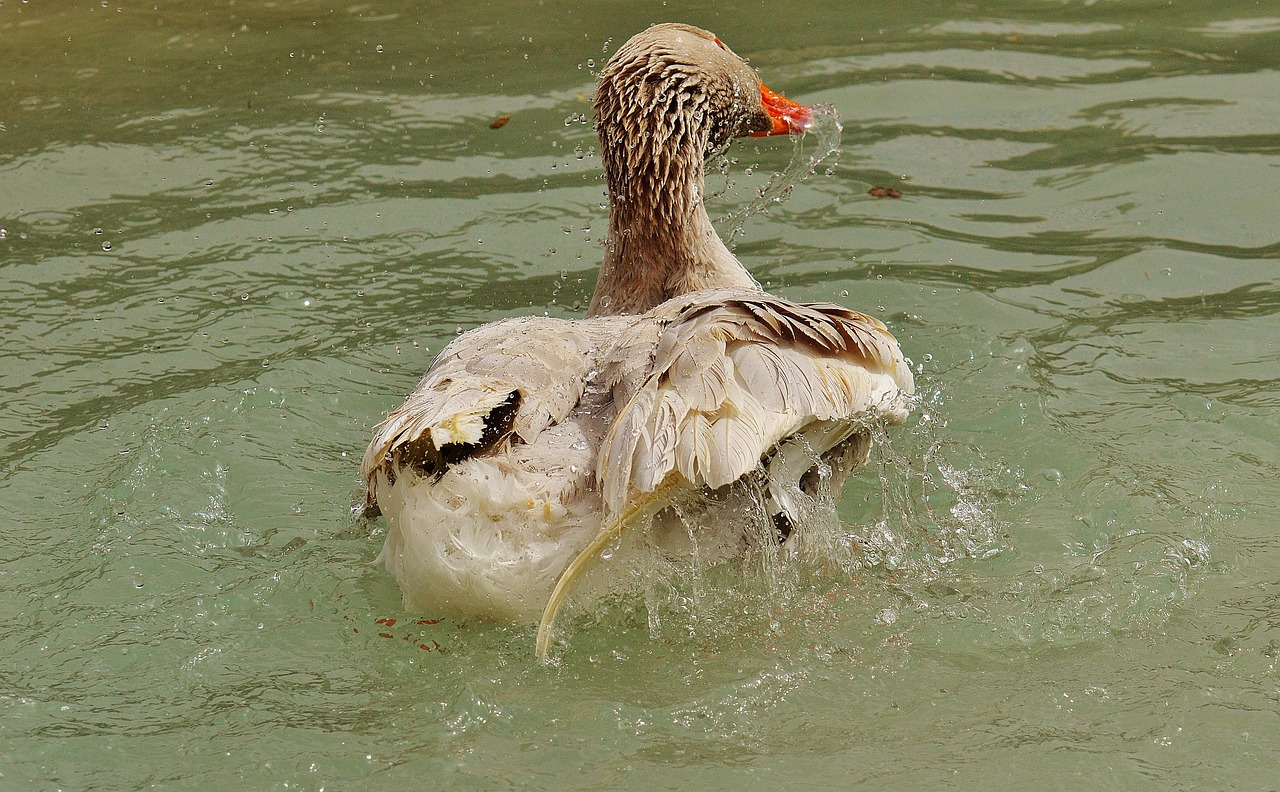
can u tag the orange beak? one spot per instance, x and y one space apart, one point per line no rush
788 116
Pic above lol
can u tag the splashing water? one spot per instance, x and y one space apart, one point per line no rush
819 142
711 568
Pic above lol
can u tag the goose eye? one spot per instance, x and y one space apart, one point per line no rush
721 45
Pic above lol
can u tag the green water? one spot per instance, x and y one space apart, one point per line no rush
234 235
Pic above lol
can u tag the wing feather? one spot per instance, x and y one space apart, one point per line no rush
732 374
544 363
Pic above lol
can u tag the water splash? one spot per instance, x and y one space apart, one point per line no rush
711 567
940 498
819 143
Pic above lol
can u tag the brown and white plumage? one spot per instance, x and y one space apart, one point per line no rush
530 443
729 374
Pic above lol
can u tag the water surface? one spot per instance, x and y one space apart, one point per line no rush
234 235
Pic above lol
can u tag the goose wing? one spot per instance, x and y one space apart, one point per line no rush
728 376
515 378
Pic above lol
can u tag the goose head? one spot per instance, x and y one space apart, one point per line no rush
678 89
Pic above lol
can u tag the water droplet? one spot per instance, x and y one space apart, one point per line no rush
1054 475
266 363
378 48
244 296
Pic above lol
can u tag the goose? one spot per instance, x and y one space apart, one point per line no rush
533 444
